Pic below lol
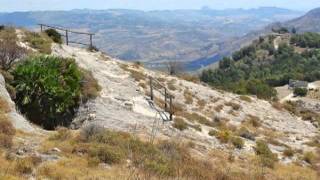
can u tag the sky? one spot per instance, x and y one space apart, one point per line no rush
33 5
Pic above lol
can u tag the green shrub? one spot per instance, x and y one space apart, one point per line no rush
54 35
180 124
300 91
267 158
47 90
237 142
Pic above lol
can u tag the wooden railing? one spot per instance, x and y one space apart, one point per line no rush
67 32
167 97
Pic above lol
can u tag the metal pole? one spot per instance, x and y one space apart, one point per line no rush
165 99
41 27
151 89
91 41
171 109
67 38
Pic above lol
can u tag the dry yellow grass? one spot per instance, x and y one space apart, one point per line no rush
188 96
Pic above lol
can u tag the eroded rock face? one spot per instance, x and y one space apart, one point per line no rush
17 119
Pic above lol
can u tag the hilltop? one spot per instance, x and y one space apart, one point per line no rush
118 134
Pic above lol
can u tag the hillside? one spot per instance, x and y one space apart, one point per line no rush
157 36
119 134
270 61
306 23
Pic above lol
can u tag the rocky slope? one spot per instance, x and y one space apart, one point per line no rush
123 105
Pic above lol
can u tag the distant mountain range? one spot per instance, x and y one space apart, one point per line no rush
195 37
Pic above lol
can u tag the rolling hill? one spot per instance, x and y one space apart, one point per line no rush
156 36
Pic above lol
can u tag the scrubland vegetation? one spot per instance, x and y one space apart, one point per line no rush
257 68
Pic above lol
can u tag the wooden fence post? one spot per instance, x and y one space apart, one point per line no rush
151 89
67 38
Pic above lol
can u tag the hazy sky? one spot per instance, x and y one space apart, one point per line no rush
26 5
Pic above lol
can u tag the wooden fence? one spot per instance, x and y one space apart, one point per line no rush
167 97
67 32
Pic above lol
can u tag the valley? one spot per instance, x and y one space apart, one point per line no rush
196 38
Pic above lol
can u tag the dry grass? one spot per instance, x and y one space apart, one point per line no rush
180 124
190 78
7 130
135 74
171 85
201 103
188 96
218 108
89 87
195 117
253 121
246 98
234 106
4 106
38 41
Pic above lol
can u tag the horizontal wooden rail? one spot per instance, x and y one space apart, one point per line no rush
67 34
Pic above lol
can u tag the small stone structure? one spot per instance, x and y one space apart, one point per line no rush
298 84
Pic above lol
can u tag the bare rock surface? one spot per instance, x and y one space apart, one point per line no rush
123 105
17 119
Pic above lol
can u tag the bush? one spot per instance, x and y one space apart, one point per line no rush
237 142
107 154
245 133
224 136
288 152
89 86
54 35
300 92
267 158
309 157
48 90
10 51
213 132
40 42
180 124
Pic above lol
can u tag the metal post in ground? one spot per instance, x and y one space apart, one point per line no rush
67 37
